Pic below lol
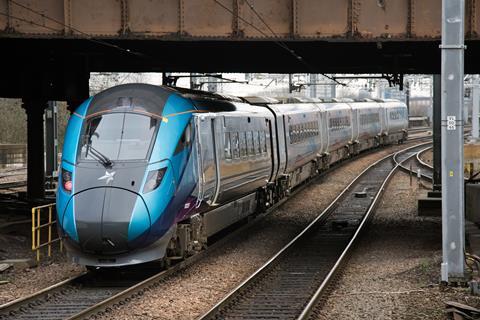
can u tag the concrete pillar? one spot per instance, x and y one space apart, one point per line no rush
475 107
193 81
437 133
290 83
51 136
212 85
407 99
313 86
35 148
333 89
453 218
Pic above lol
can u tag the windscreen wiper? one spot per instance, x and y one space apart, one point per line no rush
103 159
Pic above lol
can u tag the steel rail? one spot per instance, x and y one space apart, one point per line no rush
417 164
32 297
311 305
19 306
221 309
145 285
12 185
419 158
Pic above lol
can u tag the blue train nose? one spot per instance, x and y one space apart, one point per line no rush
110 220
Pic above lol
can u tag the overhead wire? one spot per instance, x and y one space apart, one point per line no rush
285 46
105 43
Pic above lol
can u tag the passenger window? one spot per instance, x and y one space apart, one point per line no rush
256 142
243 144
250 143
264 144
227 146
236 145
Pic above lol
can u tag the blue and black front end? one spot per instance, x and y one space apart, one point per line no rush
124 180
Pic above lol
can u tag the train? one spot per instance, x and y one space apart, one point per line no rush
150 173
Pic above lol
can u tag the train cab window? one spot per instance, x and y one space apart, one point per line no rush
250 146
227 146
235 145
185 139
118 137
243 144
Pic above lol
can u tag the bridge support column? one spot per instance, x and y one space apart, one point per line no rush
35 148
51 143
313 85
475 111
437 133
453 218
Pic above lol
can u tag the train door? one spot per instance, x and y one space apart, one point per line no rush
383 118
324 129
273 150
208 151
354 121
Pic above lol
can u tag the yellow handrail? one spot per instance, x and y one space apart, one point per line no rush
37 228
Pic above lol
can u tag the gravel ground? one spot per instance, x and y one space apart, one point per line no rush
395 268
24 280
8 175
196 289
428 157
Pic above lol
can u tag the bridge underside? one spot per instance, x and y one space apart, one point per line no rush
58 69
50 46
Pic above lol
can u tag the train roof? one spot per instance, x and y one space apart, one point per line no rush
152 99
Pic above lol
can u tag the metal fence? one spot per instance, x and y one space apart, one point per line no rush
42 220
12 155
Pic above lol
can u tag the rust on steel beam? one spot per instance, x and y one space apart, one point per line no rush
67 17
236 29
124 17
471 17
9 27
294 19
353 13
230 19
181 18
411 19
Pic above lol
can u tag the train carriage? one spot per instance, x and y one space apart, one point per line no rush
150 172
369 116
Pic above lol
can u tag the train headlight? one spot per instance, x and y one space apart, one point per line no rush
154 178
67 180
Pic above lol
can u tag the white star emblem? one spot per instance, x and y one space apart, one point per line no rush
108 177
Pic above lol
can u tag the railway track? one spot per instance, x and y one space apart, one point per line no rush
415 165
89 294
13 185
419 129
11 173
290 285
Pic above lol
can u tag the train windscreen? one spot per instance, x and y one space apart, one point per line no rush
118 137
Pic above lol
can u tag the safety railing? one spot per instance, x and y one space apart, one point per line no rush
42 223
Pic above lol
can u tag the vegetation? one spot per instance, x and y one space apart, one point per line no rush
13 122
